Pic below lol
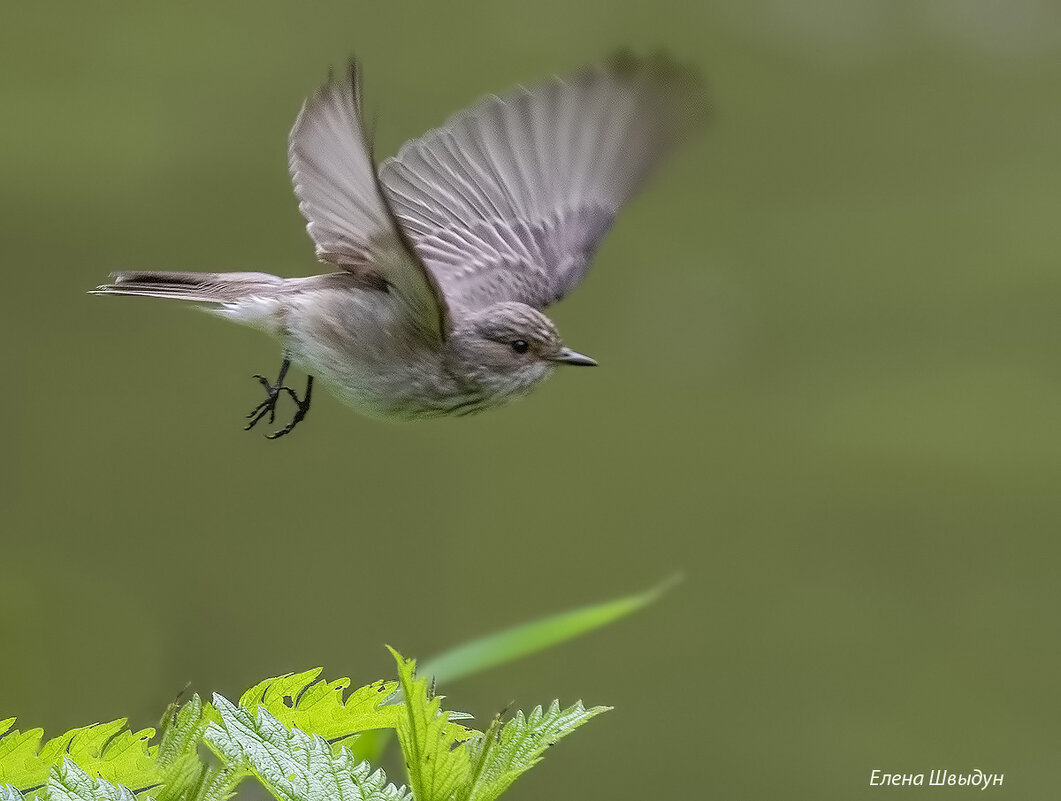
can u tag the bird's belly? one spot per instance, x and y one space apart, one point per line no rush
361 346
391 391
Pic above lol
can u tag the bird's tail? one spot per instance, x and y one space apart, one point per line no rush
214 289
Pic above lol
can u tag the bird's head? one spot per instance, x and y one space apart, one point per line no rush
509 347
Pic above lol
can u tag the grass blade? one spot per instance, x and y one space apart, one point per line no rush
538 635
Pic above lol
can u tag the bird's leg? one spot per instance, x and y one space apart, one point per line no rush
272 397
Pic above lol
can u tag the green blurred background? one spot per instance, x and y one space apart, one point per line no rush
829 394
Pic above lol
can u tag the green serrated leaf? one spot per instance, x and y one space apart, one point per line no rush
508 751
68 782
184 774
107 750
291 764
19 757
298 699
435 748
181 728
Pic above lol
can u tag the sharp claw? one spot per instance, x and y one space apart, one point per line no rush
258 408
257 415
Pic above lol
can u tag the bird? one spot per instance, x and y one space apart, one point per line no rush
443 257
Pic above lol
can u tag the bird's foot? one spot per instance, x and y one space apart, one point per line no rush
272 397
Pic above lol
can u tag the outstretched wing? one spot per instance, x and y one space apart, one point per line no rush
340 197
510 199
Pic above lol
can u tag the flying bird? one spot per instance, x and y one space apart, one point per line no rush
443 256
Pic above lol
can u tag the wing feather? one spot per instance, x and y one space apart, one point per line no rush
510 199
347 214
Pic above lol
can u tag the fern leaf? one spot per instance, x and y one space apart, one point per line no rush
9 793
293 765
508 751
436 753
67 782
298 699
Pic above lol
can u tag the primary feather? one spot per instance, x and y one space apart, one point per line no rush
509 200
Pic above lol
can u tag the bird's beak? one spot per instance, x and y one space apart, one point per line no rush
568 356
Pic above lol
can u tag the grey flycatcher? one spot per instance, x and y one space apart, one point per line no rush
446 253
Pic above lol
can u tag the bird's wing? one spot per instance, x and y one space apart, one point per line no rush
347 215
510 199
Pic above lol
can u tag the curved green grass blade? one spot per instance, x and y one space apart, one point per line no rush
538 635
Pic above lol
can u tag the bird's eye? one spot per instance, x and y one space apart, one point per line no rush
520 345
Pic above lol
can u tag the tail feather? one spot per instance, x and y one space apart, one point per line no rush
212 288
